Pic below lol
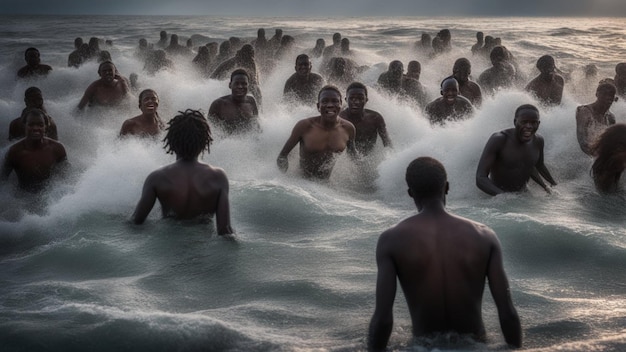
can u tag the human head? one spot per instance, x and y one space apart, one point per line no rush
107 70
203 51
356 96
163 35
189 43
260 33
33 98
174 39
328 87
188 135
239 81
278 32
590 70
498 55
148 96
610 153
479 36
36 118
213 47
426 178
104 56
526 122
426 40
32 56
320 43
414 69
620 69
345 45
396 69
546 65
78 42
336 38
225 48
246 52
303 65
605 93
449 90
329 103
462 69
143 43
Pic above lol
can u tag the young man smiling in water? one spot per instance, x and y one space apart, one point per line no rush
148 123
441 261
187 188
110 90
321 137
513 156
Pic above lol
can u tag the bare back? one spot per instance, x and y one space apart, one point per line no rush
442 262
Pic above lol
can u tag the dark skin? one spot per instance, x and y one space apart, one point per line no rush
34 158
467 88
146 124
451 106
236 112
187 189
548 86
17 128
369 124
321 138
441 261
33 67
303 85
511 157
110 90
593 118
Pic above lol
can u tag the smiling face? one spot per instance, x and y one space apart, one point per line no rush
148 102
450 90
239 86
526 124
329 104
107 72
303 66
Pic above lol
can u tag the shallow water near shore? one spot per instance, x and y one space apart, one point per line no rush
76 275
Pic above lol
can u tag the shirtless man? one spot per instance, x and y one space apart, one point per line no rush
500 75
450 106
148 123
33 67
548 86
441 261
391 80
110 90
236 112
36 157
33 100
411 84
369 124
187 188
303 85
592 119
513 156
321 138
461 71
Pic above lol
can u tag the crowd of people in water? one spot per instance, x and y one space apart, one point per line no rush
189 188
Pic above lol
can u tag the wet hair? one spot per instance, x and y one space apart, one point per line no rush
329 87
544 61
414 65
30 49
302 57
29 111
447 79
610 152
239 71
608 85
158 118
30 91
356 85
498 54
107 62
426 177
526 107
462 62
188 134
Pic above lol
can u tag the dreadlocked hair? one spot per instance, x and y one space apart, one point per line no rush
188 134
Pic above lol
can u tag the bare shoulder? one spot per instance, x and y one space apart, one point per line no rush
375 115
469 226
347 124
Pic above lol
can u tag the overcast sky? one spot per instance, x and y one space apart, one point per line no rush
614 8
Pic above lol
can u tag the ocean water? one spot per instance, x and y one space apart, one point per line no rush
76 275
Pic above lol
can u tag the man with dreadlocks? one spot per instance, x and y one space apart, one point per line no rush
187 188
148 123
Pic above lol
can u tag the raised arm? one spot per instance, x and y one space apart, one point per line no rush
486 162
146 202
501 293
382 320
88 96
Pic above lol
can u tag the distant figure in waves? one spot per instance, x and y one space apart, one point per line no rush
33 67
163 42
369 124
479 43
156 61
236 112
175 49
33 100
334 49
391 80
610 153
500 75
411 84
441 42
592 119
110 90
441 261
620 79
321 138
148 124
461 71
320 45
548 86
303 84
450 106
187 188
513 156
35 158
